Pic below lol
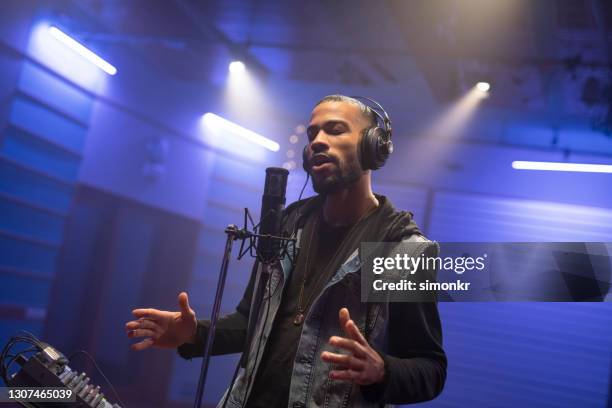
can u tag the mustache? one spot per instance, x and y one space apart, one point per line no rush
328 157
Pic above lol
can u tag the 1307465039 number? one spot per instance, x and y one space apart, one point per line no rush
36 394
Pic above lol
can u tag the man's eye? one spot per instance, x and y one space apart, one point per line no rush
336 130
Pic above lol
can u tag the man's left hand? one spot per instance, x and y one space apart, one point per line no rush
362 365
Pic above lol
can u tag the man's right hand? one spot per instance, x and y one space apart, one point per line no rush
162 328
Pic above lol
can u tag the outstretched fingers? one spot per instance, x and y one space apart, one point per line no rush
349 345
142 345
147 313
142 333
143 323
343 361
143 328
355 333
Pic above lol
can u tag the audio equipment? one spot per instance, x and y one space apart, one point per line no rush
44 366
272 204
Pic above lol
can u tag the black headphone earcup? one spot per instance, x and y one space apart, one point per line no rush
374 149
365 149
384 147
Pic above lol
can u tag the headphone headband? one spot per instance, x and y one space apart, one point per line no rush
378 111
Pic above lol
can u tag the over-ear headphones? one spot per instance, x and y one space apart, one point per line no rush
376 144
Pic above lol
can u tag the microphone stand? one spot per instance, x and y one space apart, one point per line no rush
233 234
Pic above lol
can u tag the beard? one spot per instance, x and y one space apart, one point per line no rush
343 176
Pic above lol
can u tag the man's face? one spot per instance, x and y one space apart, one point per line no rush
334 132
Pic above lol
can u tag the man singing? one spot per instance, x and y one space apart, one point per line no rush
314 342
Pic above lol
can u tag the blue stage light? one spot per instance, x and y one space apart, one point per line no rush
82 50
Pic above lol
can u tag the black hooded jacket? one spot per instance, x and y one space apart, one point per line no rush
415 362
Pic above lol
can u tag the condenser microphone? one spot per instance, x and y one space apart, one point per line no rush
272 205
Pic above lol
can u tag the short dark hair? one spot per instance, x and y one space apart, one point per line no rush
366 111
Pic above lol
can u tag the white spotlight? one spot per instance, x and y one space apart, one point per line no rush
218 123
236 67
82 50
483 86
555 166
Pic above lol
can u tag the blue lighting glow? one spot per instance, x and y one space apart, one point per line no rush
218 123
556 166
82 50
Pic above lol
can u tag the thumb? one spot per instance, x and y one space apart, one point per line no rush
183 300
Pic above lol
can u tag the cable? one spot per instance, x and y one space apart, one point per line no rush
100 371
5 352
304 186
299 210
33 338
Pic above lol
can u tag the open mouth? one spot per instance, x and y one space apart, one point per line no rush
319 161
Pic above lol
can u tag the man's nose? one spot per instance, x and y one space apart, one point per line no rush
319 143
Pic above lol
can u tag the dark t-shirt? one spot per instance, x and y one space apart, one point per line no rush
271 387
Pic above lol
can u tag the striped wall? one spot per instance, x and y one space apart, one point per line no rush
522 354
41 147
462 217
526 354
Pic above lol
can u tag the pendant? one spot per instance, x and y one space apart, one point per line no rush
299 318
